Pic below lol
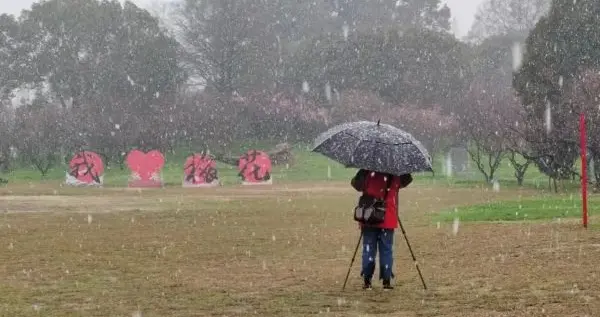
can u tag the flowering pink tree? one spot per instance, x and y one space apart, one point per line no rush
436 130
269 114
355 105
430 125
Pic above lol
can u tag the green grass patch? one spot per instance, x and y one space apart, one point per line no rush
542 208
307 167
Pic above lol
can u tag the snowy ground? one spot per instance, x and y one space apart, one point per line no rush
276 251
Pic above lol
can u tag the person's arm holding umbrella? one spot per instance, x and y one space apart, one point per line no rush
358 181
405 180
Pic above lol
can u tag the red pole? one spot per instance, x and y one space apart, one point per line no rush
582 135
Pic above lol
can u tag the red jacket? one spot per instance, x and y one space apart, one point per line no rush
375 184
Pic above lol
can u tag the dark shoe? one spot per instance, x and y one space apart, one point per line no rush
387 285
367 285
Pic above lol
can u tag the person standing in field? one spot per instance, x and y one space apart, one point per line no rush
379 234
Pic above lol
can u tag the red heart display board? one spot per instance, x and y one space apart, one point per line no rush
200 170
85 169
255 168
145 168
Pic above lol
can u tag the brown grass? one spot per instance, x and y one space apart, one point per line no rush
276 251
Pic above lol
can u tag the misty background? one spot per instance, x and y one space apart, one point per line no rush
462 10
501 80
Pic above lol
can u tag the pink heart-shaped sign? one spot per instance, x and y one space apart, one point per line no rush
145 165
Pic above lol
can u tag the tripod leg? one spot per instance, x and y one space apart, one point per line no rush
352 261
411 253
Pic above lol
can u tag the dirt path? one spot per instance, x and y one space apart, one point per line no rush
49 198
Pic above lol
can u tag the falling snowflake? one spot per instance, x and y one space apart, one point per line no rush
496 186
560 81
305 87
455 226
548 118
517 56
328 92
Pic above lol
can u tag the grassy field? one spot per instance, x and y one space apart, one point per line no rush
279 250
308 167
541 207
283 250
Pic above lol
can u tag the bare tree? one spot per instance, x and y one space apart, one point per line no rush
484 124
505 17
492 102
518 151
9 55
39 136
551 139
6 139
552 146
583 96
226 42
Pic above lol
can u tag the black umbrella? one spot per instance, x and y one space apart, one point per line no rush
375 147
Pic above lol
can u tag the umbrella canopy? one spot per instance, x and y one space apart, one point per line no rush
374 146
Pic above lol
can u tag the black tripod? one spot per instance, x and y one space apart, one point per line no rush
409 248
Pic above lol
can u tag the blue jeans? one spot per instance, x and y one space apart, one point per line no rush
373 239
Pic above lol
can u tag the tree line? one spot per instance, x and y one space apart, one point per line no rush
110 77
